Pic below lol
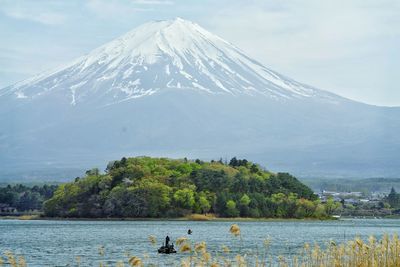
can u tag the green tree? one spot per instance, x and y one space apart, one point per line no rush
254 168
305 208
94 171
331 206
204 204
320 211
184 198
29 201
233 162
279 202
244 205
393 198
157 197
231 210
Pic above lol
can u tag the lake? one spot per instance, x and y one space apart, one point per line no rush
59 243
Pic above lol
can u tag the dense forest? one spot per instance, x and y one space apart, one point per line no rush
160 187
25 198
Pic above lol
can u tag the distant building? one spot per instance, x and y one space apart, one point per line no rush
6 208
341 194
351 201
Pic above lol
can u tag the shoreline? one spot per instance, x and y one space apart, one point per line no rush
192 218
211 219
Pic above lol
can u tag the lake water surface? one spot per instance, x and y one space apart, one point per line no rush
58 243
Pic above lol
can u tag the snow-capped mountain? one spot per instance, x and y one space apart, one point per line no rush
171 88
159 55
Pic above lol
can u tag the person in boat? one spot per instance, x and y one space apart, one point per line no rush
190 232
167 241
168 248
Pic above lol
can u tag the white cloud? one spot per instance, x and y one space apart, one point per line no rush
307 30
342 46
153 2
33 13
123 9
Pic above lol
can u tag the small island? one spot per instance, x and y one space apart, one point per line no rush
145 187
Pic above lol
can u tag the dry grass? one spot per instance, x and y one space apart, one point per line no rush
235 230
185 247
28 217
200 217
12 260
153 240
354 253
179 241
135 261
200 247
382 253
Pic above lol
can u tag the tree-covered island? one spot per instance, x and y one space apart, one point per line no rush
144 187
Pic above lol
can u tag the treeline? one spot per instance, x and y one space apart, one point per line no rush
161 187
393 199
25 198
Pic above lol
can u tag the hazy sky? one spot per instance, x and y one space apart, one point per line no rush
348 47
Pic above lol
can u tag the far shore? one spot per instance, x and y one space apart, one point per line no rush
194 217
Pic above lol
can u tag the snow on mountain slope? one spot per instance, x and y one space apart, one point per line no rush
156 56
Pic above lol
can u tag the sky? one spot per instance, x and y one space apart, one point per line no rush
349 47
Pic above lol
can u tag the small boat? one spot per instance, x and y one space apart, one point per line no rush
167 249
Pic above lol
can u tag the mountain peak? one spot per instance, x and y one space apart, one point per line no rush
176 20
169 37
160 55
